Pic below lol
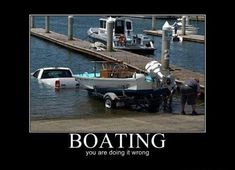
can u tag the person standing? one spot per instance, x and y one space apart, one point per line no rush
190 90
175 25
171 88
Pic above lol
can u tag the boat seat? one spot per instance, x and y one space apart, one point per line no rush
105 73
122 74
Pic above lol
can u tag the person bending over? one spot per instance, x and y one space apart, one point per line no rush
190 89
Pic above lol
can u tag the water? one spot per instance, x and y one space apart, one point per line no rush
46 103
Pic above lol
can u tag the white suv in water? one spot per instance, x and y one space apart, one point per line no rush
57 77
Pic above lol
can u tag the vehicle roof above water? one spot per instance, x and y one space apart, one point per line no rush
53 68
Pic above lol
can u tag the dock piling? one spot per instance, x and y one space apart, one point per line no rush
183 24
47 24
70 27
31 21
110 35
187 20
166 37
153 22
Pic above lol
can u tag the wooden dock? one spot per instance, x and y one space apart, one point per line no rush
132 60
191 37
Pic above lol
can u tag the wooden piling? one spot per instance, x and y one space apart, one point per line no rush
109 35
153 22
183 25
70 27
166 38
47 22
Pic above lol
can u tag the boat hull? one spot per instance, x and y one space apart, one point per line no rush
187 31
138 85
130 93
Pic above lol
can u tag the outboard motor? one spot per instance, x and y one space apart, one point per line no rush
154 69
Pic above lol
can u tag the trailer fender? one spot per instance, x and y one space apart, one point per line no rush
110 100
113 96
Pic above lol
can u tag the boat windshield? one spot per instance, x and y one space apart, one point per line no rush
119 27
102 24
128 25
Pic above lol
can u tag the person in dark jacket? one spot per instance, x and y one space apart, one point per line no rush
190 89
171 88
175 25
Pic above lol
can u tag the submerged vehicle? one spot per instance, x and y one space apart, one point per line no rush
123 36
56 77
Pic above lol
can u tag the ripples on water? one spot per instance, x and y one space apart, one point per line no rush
45 102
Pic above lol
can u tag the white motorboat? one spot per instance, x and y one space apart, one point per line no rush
123 36
118 85
189 29
116 78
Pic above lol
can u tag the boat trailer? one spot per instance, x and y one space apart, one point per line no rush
150 103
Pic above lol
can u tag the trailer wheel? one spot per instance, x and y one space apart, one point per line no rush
109 103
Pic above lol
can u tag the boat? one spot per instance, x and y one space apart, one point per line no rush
117 80
189 29
116 77
177 37
123 36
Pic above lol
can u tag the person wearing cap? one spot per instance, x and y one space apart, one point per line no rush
190 89
171 88
175 25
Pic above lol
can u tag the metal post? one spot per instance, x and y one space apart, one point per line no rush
187 20
47 24
183 25
70 27
31 21
109 35
166 37
153 23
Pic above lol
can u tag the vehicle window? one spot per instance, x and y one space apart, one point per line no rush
56 73
36 74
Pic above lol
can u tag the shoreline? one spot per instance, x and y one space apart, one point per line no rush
142 122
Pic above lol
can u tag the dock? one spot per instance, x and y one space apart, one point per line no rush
132 60
191 37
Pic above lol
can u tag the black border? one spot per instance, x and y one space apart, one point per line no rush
182 150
